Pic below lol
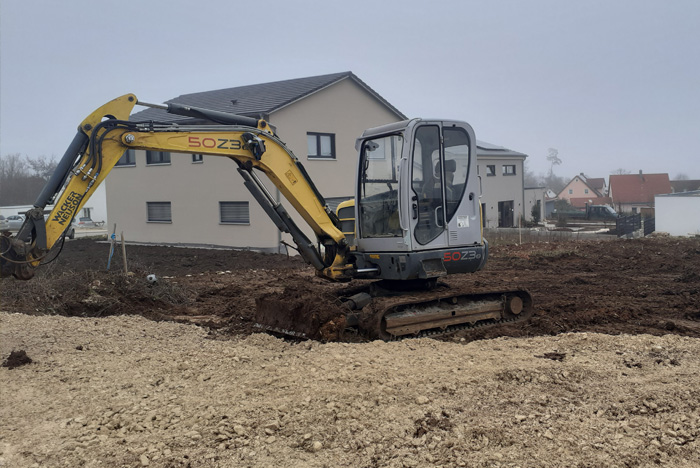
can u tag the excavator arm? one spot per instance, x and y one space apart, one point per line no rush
106 134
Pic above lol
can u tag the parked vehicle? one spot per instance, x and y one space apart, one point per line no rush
15 222
4 224
86 222
71 230
591 213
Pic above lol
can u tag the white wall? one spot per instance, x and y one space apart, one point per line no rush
97 204
678 215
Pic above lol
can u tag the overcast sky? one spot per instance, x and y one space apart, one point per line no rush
609 84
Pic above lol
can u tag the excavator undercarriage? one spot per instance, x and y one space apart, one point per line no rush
379 313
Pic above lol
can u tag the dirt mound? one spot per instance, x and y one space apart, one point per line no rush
16 359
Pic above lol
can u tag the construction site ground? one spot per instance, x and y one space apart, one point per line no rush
127 373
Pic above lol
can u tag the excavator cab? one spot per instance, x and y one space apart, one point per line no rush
417 206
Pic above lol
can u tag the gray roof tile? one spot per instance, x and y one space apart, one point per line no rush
256 100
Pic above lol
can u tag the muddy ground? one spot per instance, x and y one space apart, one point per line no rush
628 286
111 380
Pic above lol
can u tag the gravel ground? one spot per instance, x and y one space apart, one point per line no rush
124 391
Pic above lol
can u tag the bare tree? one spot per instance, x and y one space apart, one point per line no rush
681 176
22 177
553 158
529 177
13 166
42 166
620 171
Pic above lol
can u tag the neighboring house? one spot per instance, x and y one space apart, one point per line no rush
181 198
501 173
156 197
680 186
583 187
632 193
678 213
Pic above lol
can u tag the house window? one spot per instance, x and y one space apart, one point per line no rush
509 169
127 159
585 191
157 157
197 158
321 145
490 170
571 191
159 212
234 212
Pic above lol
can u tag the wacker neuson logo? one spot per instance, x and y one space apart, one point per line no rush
65 213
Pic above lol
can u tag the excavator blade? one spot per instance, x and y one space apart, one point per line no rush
293 315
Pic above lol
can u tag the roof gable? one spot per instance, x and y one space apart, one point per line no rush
258 99
484 149
638 188
596 186
597 183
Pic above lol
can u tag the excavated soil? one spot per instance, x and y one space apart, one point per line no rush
604 374
648 285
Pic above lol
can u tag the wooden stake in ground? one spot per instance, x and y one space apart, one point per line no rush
126 270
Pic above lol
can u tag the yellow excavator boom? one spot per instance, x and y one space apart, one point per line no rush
107 133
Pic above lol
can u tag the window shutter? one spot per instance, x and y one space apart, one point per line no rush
234 212
159 212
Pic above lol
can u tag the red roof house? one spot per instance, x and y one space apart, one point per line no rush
633 192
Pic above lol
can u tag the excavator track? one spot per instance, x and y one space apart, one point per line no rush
435 314
413 315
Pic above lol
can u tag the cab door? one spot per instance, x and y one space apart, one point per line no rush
427 220
444 207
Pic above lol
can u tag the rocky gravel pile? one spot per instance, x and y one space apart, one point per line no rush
124 391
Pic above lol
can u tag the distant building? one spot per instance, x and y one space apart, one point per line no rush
502 175
680 186
95 208
678 213
583 187
633 193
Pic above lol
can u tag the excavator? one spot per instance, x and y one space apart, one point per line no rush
415 217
